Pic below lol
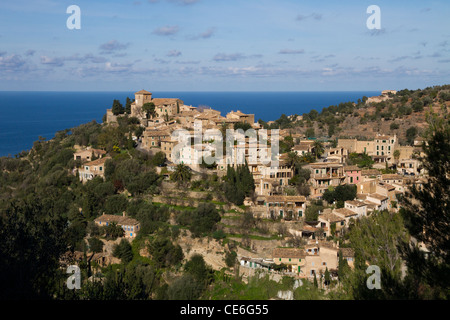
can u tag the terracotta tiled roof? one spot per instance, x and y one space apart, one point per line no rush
345 212
97 162
156 133
163 101
143 92
121 220
352 168
370 172
391 176
377 196
288 253
355 203
285 199
331 217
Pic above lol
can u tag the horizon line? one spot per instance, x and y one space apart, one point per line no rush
221 91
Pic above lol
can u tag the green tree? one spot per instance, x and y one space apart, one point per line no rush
230 258
149 109
33 239
95 244
376 241
238 184
286 144
327 277
242 125
427 215
411 134
113 231
123 251
185 287
159 159
204 219
310 133
340 194
197 267
164 253
394 126
117 108
116 204
128 106
182 174
312 212
318 149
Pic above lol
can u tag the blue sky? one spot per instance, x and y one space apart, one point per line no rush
216 45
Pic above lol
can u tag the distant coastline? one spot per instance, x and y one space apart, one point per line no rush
26 115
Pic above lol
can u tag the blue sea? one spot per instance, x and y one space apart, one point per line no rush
24 116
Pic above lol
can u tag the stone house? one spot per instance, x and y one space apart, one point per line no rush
130 226
320 255
241 117
152 138
92 169
325 175
284 207
359 207
292 257
352 174
86 155
326 220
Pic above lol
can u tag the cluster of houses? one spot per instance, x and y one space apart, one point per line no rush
375 191
313 260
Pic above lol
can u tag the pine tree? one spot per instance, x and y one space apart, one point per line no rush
327 277
427 215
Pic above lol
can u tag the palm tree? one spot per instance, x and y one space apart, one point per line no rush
182 174
292 159
318 148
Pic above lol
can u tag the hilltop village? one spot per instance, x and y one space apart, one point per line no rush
341 181
153 203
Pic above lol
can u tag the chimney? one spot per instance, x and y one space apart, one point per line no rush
124 214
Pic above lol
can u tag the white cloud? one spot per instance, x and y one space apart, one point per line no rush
166 30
